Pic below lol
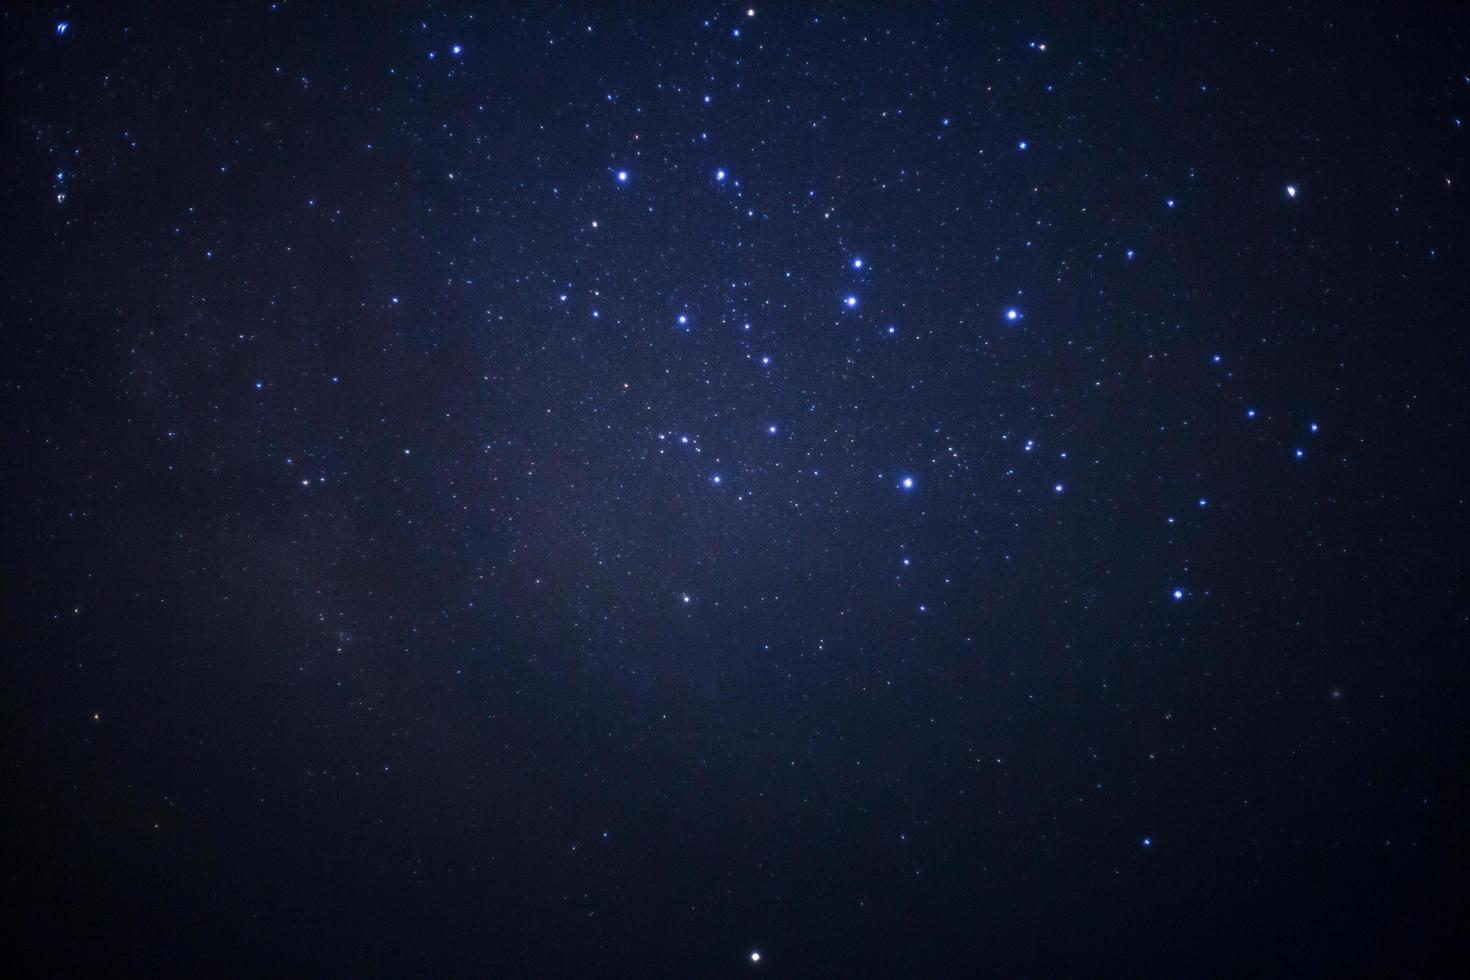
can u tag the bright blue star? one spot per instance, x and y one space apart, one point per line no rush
716 480
1169 202
62 27
907 483
1057 488
622 176
857 263
1314 426
1203 502
771 429
1021 145
1130 254
1250 413
1299 454
456 50
683 319
720 175
1013 314
1148 842
1177 594
1291 190
850 302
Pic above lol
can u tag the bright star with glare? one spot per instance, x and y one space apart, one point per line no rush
755 956
857 263
907 483
456 50
720 175
1013 314
771 429
1169 202
62 27
1291 190
850 302
1178 594
1148 842
1058 488
1021 145
622 176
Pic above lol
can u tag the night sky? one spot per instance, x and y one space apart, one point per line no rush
903 490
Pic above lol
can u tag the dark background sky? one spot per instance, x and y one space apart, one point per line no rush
467 510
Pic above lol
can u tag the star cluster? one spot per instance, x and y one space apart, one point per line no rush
825 490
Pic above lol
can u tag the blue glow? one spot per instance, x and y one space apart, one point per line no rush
720 175
683 319
1013 314
1177 594
1148 842
907 483
1299 454
1169 202
456 50
1250 413
1314 426
771 429
1203 502
1291 190
1130 254
1058 488
622 176
850 302
716 479
62 27
857 263
1021 145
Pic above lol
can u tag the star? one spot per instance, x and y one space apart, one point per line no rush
622 176
1291 190
1058 488
771 429
456 50
907 483
1021 145
755 956
857 263
1177 594
720 175
850 301
1148 842
62 27
1012 315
